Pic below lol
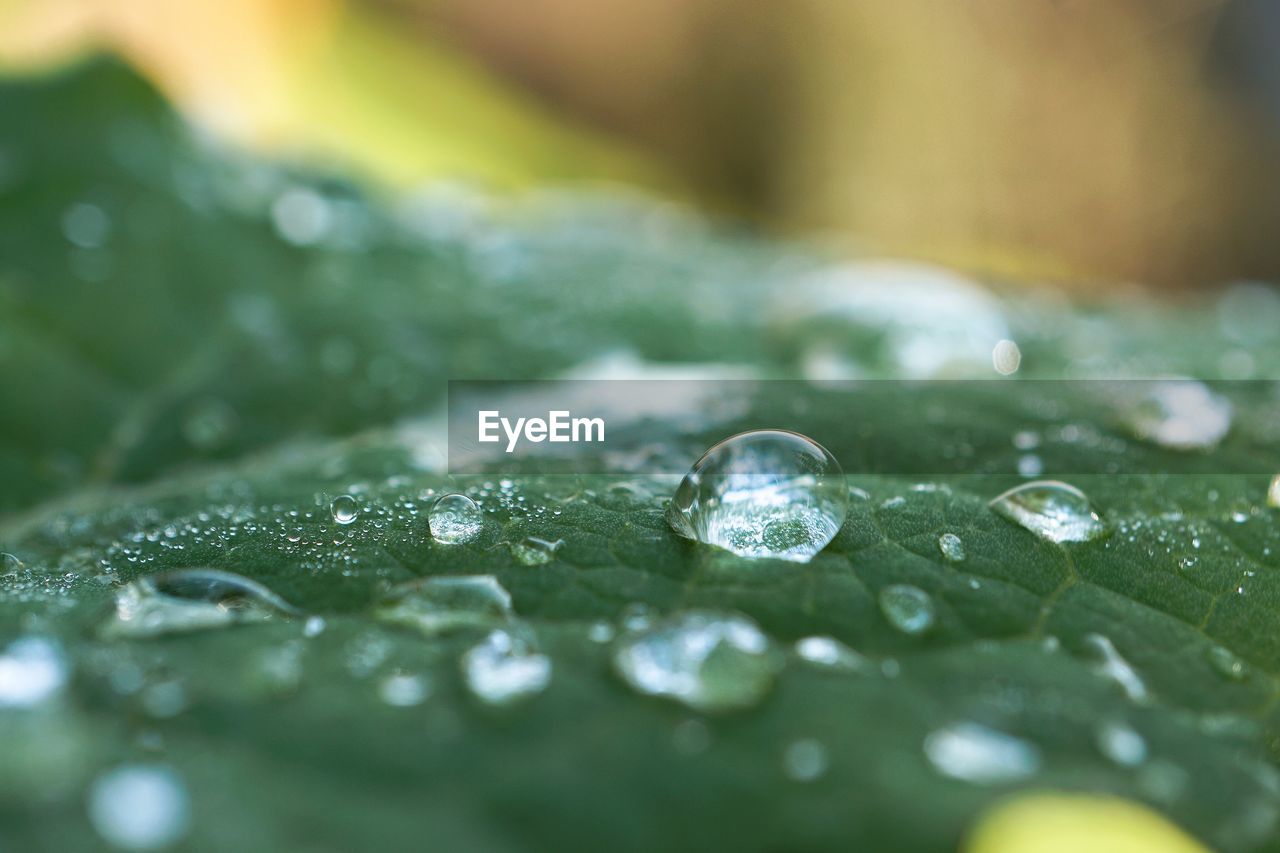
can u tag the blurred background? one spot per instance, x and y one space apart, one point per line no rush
1085 141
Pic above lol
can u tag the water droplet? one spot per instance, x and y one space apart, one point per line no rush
441 604
1226 663
1026 439
805 760
9 564
455 519
1121 744
767 493
534 551
313 627
404 690
139 807
601 632
32 671
975 753
636 616
1273 493
830 653
908 608
506 668
191 600
1111 664
1006 358
1180 414
302 216
951 547
1052 510
706 660
344 509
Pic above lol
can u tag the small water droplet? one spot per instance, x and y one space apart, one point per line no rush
636 616
805 760
1120 743
828 652
191 600
32 671
1273 493
441 604
313 627
1180 415
1030 465
506 668
709 661
404 690
908 608
139 807
1026 439
86 225
1111 664
601 632
535 551
344 509
951 546
455 519
1226 663
1006 358
768 493
1052 510
984 756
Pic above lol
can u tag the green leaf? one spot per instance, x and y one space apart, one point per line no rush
240 344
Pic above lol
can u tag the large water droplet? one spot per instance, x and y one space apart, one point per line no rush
908 608
1052 510
1273 493
506 667
441 604
191 600
975 753
455 519
139 807
709 661
767 493
951 547
32 670
1180 414
344 509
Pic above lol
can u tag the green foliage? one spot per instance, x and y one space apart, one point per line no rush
193 390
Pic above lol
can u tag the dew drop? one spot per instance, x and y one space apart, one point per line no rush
1052 510
455 519
984 756
709 661
438 605
951 547
830 653
535 551
768 493
1273 493
1121 744
139 807
506 667
344 509
1006 358
1180 415
191 600
908 608
32 671
805 760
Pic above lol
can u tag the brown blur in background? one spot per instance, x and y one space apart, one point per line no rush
1073 140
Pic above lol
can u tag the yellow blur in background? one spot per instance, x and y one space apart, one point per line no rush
1069 823
1075 140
